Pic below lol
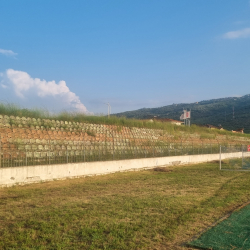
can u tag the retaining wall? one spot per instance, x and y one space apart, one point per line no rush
24 175
43 135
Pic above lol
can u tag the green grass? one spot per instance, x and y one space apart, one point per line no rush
207 136
133 210
91 133
14 110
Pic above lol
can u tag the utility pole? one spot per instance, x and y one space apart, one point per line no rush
190 118
233 112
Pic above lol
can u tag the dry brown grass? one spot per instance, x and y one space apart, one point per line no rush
155 209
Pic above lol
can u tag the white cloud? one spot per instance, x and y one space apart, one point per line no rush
240 22
243 33
4 86
7 52
26 86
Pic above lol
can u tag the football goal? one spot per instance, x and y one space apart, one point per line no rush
235 158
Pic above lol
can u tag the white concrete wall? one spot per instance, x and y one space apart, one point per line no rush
23 175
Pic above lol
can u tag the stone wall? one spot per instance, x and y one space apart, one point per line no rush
21 134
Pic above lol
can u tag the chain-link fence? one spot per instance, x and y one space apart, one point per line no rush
237 158
79 151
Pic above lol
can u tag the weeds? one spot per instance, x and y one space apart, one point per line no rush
91 133
207 136
119 129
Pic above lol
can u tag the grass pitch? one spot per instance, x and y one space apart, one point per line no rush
160 209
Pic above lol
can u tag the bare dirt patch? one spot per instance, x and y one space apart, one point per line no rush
162 169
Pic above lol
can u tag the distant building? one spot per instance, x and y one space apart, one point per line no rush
211 126
220 127
214 127
240 130
172 121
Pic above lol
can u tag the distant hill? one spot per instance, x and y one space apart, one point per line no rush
231 112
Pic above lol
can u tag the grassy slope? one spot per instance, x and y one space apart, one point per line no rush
133 210
13 110
216 111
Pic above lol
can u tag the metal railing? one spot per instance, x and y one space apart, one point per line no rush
30 155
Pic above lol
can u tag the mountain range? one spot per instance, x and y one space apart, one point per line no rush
231 112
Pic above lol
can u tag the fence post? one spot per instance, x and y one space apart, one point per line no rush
220 157
49 157
67 156
84 151
242 155
49 152
113 146
26 157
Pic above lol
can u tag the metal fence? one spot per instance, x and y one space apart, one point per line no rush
30 155
238 158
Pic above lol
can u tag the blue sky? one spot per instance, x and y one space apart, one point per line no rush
78 55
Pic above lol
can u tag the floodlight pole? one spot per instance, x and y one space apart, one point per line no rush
109 109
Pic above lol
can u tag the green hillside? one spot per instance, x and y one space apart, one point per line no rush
214 112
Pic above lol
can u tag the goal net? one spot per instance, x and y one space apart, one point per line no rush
235 158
